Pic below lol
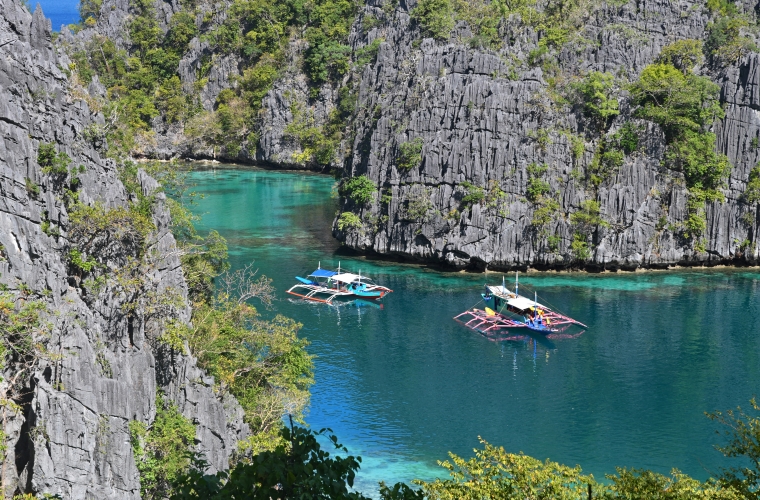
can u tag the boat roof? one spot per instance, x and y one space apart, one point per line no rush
515 301
323 273
523 303
346 277
500 290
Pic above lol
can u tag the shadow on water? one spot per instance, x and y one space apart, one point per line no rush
403 384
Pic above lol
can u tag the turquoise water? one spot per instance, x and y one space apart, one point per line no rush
59 11
404 384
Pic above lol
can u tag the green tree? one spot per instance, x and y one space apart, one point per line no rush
598 96
435 17
473 194
53 162
725 42
546 210
635 484
743 435
694 154
349 220
683 55
23 338
588 217
90 9
494 473
675 101
752 193
162 451
536 187
579 247
361 189
264 364
171 100
144 32
685 105
298 468
182 29
410 154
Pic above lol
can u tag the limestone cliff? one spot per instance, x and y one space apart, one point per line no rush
485 119
72 438
480 118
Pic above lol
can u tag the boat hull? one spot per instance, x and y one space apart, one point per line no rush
369 294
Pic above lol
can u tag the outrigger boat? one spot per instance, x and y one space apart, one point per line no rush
492 321
325 286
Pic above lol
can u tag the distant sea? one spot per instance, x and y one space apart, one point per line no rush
59 11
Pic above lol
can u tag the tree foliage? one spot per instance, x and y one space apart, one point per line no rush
436 18
410 154
360 189
726 41
694 154
684 55
598 96
537 187
162 450
685 106
634 484
349 220
675 101
494 473
588 217
264 364
53 162
752 193
297 468
742 430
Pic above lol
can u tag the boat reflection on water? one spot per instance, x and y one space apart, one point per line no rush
358 303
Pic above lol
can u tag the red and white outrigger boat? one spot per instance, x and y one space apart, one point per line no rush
325 286
525 313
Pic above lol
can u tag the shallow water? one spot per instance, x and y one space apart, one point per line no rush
404 384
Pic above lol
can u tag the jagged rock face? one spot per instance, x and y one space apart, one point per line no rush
274 147
480 126
73 439
479 115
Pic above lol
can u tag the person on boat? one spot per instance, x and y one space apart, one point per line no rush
531 318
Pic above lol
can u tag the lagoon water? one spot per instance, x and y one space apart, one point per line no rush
404 384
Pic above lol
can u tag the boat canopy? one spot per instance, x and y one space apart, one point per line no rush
500 291
323 273
346 277
523 304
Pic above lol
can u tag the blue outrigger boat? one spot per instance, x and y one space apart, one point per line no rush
525 313
325 286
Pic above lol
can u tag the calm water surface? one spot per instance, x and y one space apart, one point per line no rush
403 385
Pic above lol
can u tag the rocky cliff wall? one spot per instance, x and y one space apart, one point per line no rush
484 116
72 438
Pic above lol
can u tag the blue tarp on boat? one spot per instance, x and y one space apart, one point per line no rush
323 273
